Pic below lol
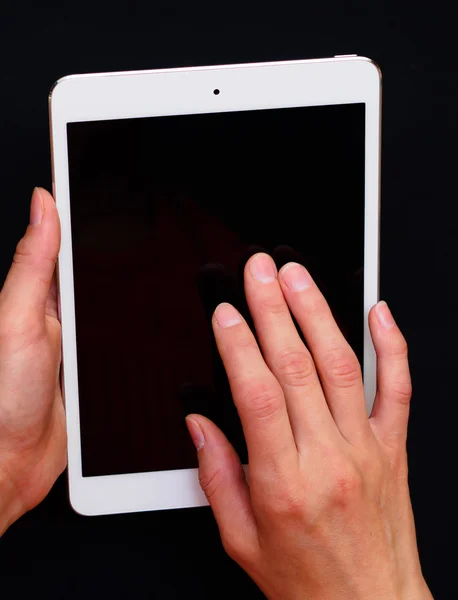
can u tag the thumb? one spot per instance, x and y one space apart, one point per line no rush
27 285
223 481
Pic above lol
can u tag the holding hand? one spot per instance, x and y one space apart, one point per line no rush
32 420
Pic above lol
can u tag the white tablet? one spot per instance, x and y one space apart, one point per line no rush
166 182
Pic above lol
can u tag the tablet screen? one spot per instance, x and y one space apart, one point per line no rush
165 211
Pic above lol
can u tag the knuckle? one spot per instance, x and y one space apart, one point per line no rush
211 481
23 251
286 503
290 504
273 306
342 368
262 398
346 485
402 391
245 342
295 367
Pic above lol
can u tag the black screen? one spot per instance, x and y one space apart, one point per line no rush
165 212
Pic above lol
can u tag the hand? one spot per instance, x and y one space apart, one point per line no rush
32 421
327 512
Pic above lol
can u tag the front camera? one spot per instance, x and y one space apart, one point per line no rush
216 92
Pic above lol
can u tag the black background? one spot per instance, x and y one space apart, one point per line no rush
54 553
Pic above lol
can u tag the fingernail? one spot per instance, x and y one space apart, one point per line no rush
36 207
196 433
384 315
227 315
263 269
295 277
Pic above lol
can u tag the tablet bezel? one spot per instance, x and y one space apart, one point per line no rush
152 93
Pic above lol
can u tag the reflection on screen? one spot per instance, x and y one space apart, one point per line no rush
165 212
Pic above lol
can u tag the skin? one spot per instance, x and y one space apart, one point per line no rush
327 512
32 422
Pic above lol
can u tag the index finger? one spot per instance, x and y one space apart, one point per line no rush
257 394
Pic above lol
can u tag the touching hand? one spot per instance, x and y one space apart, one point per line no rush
327 512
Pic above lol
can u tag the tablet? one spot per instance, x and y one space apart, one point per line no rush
166 182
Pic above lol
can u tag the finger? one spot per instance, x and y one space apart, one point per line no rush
257 395
337 365
390 414
284 352
223 481
28 282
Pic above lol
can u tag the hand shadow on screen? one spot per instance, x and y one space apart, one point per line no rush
216 284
